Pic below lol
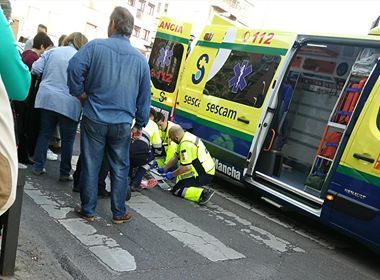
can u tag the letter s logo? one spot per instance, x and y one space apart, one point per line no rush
198 76
162 97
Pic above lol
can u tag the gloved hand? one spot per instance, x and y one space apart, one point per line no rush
161 170
153 164
169 175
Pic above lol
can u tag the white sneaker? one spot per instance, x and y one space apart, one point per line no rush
50 155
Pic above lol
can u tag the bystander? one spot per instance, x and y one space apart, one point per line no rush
113 78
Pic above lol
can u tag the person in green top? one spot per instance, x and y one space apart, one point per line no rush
13 71
196 167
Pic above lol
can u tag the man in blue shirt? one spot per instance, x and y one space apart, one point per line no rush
112 79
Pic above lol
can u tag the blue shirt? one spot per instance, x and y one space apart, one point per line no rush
116 78
53 93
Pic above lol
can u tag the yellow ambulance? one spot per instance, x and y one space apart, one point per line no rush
295 116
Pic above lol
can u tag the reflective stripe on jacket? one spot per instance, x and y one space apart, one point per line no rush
191 150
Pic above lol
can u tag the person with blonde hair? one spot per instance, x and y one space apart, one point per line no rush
61 40
56 104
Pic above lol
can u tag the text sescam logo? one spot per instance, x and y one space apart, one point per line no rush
210 107
227 170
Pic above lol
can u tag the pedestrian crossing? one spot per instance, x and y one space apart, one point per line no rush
106 249
190 235
148 208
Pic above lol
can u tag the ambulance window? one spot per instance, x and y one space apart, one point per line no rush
244 78
165 62
378 119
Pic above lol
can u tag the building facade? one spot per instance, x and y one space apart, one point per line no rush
199 13
91 17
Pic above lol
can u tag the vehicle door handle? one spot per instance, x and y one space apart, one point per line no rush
365 158
243 120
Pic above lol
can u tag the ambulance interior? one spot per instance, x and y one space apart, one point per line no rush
315 102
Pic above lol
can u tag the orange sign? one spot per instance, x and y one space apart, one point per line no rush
377 164
171 26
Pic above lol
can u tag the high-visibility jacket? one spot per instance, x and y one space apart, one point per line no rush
153 133
169 146
192 151
165 134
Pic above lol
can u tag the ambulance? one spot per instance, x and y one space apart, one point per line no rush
295 116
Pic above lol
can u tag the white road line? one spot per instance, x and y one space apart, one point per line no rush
251 208
262 236
185 232
106 249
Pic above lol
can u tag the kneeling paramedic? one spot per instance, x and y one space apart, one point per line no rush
144 150
170 147
196 167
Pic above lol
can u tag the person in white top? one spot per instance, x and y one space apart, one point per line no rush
8 153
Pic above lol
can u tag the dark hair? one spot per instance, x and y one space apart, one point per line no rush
5 5
22 39
123 20
61 39
42 39
42 26
76 39
153 113
160 117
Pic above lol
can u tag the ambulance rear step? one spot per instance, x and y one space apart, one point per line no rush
289 188
288 197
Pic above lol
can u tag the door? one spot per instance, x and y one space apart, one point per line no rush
226 85
167 61
356 183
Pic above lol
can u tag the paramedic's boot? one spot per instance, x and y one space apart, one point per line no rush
206 196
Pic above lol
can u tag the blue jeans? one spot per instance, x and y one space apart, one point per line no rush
67 128
95 137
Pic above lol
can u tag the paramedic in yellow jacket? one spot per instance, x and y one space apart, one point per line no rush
196 167
170 147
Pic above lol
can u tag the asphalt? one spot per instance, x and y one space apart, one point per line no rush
236 236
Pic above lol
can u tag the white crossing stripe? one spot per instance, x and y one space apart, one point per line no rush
185 232
106 249
261 213
273 242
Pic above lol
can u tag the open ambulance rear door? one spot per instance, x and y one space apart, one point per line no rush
167 60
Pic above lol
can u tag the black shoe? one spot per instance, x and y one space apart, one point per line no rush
103 193
206 196
76 188
27 161
66 178
136 188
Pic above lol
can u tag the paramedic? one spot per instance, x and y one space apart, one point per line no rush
170 147
196 167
